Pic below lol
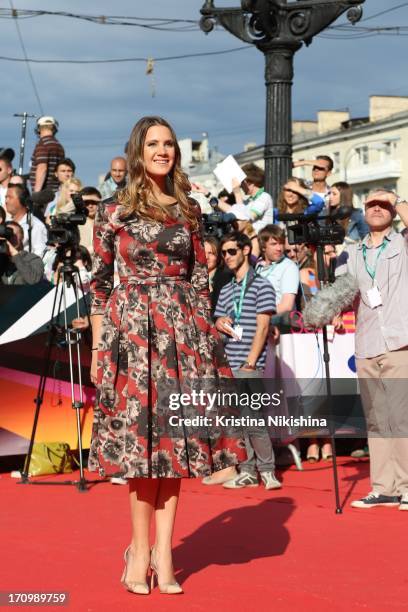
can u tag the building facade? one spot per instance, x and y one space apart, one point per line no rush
367 151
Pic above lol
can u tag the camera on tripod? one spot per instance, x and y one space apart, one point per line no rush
315 230
64 227
8 234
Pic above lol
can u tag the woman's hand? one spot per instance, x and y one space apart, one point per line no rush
293 186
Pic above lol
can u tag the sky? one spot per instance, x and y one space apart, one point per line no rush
222 95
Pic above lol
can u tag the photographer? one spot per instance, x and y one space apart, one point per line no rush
20 267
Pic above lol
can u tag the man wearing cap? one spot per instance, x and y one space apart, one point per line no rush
6 171
47 153
379 263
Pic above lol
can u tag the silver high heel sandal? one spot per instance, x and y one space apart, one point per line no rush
140 588
168 588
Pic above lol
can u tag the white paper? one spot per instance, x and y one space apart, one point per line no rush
228 169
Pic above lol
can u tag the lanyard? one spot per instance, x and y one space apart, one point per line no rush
266 271
258 193
237 304
372 271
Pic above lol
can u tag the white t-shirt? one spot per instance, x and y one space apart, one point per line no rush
283 276
261 210
38 235
3 191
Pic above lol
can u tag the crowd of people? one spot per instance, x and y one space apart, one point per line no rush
29 206
171 304
259 280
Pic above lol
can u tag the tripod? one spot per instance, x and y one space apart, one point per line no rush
24 117
62 335
324 278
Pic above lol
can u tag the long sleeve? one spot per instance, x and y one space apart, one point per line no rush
29 266
103 261
199 269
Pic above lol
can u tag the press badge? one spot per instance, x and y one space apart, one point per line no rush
238 331
374 297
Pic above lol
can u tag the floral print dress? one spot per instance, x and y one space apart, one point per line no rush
156 331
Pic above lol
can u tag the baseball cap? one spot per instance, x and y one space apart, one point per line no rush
47 121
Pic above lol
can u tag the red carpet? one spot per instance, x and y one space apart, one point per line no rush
235 550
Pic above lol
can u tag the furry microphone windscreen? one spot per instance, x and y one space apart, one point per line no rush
330 302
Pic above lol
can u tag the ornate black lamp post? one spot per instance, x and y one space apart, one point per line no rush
278 28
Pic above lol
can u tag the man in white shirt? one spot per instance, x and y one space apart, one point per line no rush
35 232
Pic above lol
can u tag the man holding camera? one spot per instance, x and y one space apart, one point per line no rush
379 263
18 266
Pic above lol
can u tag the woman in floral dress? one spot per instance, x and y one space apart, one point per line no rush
151 333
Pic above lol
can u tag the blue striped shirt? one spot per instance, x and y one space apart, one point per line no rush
259 298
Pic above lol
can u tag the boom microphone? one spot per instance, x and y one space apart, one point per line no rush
330 302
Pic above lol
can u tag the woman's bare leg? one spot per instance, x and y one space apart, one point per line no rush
165 514
143 493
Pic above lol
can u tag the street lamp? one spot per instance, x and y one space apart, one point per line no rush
278 28
371 144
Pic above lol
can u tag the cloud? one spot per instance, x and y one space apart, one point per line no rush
223 95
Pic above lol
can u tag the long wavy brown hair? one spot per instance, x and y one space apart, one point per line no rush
137 197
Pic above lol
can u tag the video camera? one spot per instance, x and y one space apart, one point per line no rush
216 225
64 227
314 230
8 234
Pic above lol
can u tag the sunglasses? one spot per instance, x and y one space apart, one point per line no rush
92 202
382 203
231 252
290 191
321 168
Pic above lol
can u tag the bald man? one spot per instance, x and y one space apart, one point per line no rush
116 178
